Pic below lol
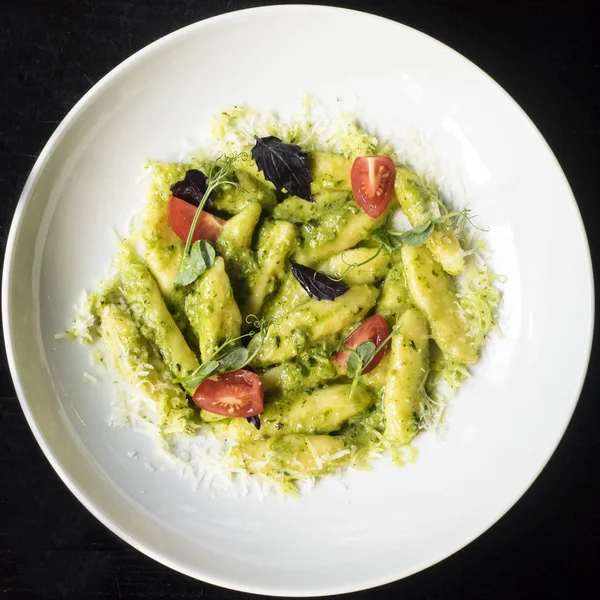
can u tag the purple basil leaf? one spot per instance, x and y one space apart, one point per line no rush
255 420
192 187
316 284
284 165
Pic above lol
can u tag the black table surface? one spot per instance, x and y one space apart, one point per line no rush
545 53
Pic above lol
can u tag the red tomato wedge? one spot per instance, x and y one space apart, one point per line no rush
235 394
181 215
373 183
375 329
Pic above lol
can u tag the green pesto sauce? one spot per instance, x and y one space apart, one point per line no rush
360 431
251 187
331 212
308 406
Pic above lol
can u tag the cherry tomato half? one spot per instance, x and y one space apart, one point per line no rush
181 215
235 394
373 183
375 329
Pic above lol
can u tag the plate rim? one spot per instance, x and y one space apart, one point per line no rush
9 335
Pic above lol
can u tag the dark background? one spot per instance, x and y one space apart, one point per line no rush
545 53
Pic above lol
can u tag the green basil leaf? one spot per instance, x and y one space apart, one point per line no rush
389 242
195 378
366 352
234 359
201 258
421 228
417 235
354 364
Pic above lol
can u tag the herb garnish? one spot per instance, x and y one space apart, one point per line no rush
417 236
191 381
192 187
392 239
231 360
284 165
255 420
193 264
360 357
318 285
234 359
200 259
355 265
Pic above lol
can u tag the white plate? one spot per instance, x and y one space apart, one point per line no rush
503 426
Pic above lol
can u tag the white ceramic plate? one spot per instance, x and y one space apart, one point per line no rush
503 426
